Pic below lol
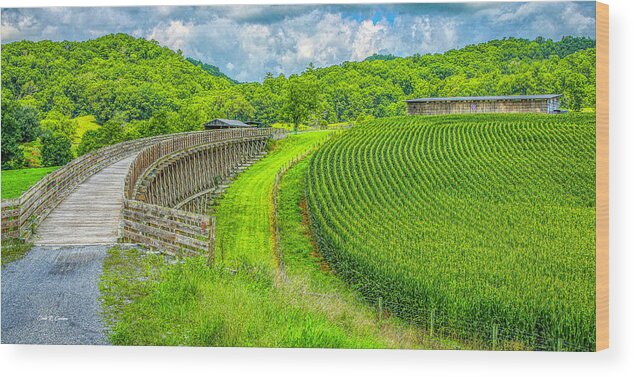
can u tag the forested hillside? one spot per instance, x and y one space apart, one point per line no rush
131 86
134 87
377 87
211 69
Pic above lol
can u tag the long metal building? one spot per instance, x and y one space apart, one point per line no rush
541 103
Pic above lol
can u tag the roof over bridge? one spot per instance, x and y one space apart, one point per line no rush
226 122
486 98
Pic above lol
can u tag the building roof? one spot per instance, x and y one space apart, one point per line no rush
485 98
229 122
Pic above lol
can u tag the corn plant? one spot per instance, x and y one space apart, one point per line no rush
469 225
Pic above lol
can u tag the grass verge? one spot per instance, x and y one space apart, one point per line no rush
13 250
243 234
15 182
148 301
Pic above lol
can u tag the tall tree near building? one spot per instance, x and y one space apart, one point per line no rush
302 99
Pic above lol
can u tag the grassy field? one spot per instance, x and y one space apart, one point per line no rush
243 228
289 126
14 182
151 299
472 226
149 302
84 124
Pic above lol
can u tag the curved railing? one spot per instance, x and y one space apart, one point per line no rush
150 155
177 178
171 169
201 156
40 199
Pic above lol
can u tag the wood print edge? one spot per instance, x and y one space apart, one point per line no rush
602 177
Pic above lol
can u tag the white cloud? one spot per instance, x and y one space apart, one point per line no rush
576 19
367 39
10 32
176 35
250 40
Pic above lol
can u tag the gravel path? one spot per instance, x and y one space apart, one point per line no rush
51 296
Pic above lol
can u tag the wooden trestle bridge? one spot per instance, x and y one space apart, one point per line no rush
154 191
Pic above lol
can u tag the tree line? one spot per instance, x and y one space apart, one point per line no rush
136 88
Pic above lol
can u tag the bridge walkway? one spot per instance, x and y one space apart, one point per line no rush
91 214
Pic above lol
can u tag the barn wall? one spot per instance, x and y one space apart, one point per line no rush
465 107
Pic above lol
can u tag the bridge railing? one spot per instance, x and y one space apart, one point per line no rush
10 218
183 175
40 199
150 155
156 226
199 155
170 230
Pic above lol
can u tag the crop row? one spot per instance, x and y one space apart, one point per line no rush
475 226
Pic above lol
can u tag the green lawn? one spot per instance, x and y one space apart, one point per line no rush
243 227
84 124
240 301
14 182
289 126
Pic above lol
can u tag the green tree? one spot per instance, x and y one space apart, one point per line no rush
28 122
574 91
135 79
20 124
63 105
239 108
12 156
112 132
57 122
301 99
161 123
56 149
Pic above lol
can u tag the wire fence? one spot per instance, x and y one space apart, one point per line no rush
495 334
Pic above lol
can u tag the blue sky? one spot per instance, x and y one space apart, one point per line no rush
246 41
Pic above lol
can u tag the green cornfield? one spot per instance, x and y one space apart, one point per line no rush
472 226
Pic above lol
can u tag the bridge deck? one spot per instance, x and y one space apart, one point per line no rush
91 214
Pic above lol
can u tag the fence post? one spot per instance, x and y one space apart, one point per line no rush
380 311
212 241
431 322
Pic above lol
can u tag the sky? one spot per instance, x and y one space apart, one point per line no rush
247 41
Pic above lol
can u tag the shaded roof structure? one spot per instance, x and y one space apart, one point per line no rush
227 122
486 98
